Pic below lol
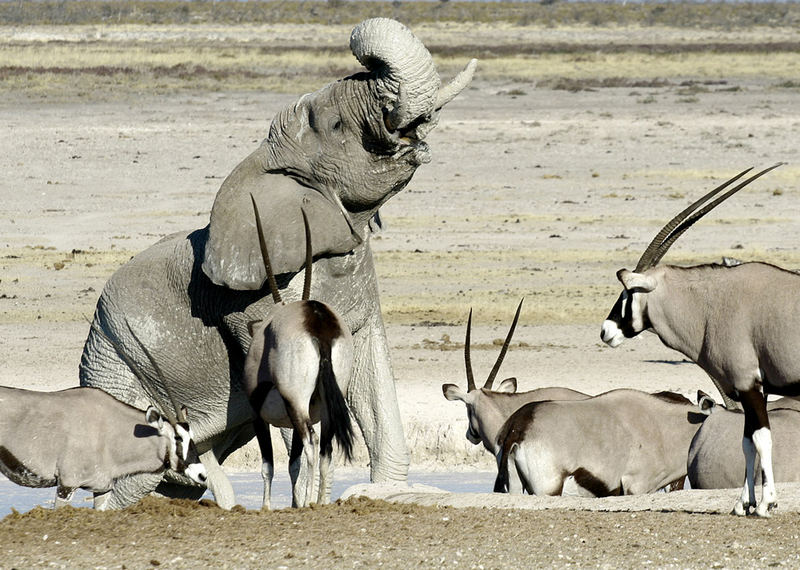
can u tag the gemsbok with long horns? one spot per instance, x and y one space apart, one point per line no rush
487 408
296 374
622 442
84 438
740 324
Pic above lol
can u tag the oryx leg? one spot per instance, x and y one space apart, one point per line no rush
756 439
325 478
537 472
325 462
305 451
762 439
295 457
267 463
515 486
63 495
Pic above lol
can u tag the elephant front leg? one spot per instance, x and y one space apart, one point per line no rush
217 481
373 401
131 489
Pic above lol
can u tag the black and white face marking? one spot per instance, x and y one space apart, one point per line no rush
626 319
185 458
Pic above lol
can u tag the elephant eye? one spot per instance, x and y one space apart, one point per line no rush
336 125
312 119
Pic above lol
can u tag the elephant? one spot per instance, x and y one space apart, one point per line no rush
340 152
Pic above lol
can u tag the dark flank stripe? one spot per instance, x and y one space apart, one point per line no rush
672 397
15 470
594 485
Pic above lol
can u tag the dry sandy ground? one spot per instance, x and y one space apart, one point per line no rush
531 192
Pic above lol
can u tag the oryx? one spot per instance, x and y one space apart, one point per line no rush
741 324
83 438
714 461
488 409
622 442
296 373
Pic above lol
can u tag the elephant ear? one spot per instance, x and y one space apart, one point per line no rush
232 255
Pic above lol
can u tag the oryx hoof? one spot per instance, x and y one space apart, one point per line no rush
764 510
740 509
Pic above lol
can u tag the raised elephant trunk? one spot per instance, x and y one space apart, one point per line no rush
404 67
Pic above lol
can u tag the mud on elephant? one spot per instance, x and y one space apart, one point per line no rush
340 152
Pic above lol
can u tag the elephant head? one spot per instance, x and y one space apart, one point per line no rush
340 152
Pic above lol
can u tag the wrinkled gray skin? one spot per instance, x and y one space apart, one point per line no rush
340 152
716 460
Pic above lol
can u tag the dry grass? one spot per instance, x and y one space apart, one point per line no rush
164 47
688 14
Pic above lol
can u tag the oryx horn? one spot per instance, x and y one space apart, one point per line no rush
309 258
145 382
180 414
496 367
467 359
498 362
683 221
273 285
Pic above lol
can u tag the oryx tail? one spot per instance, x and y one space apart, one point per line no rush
339 424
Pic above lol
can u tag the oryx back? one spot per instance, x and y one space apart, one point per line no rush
620 442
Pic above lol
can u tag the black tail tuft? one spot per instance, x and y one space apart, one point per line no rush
339 424
501 482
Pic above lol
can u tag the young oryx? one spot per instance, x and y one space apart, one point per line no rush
623 442
296 372
83 438
487 409
741 324
715 460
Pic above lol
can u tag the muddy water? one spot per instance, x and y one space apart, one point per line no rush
248 488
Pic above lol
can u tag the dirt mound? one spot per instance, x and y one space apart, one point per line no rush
365 532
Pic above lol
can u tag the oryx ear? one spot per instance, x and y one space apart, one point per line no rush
705 402
453 392
232 256
638 281
508 386
153 418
